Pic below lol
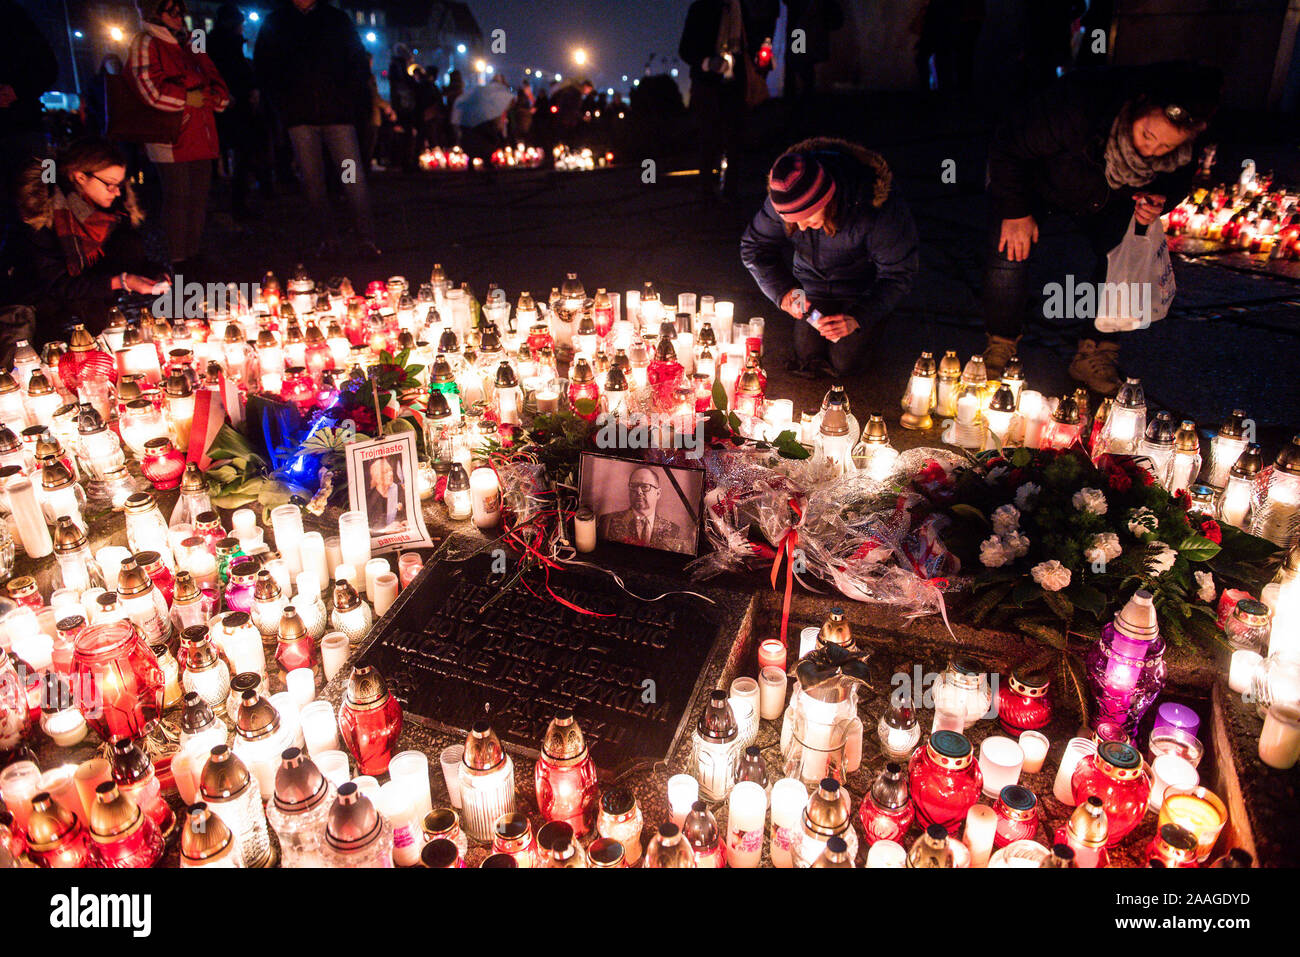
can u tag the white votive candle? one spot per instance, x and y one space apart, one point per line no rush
411 770
1076 749
354 539
1034 745
584 530
385 593
374 568
1279 742
110 559
1170 771
887 854
243 523
346 573
746 811
450 759
789 798
301 683
771 693
683 791
333 556
320 728
333 764
312 550
333 653
397 805
981 823
286 523
548 401
1242 669
485 497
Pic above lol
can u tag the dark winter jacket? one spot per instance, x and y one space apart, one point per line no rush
42 275
1051 151
312 66
870 262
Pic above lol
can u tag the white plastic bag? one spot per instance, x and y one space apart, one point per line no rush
1139 287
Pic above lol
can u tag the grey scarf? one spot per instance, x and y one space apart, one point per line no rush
1125 166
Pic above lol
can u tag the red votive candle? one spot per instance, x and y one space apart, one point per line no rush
771 654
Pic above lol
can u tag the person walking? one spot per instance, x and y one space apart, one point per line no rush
170 75
311 65
1097 148
834 206
713 45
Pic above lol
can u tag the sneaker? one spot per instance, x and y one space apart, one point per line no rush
1096 365
997 353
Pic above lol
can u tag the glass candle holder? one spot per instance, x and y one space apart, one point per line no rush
1114 773
334 653
232 793
789 797
771 693
886 811
1000 763
1200 811
354 539
944 780
1034 746
120 680
121 834
487 785
1177 742
1017 815
1169 770
370 720
443 824
1279 741
565 776
1076 749
746 815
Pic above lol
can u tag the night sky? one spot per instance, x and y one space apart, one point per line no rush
618 35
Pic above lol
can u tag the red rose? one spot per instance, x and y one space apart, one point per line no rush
1210 529
1183 498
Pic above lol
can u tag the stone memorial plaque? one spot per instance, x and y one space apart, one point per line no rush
630 678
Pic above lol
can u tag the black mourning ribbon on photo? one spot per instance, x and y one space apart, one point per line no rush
829 661
690 509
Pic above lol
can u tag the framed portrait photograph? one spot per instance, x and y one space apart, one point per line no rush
653 506
382 483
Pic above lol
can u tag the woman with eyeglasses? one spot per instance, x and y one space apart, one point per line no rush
79 247
169 74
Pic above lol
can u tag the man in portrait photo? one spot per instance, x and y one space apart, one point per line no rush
385 494
639 523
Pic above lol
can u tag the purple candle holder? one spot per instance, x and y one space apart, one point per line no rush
1181 717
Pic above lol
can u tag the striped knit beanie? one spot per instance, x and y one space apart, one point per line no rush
799 185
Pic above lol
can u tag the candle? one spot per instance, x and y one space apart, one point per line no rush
1170 771
27 519
18 784
981 823
408 566
373 569
301 683
185 768
1279 742
771 693
313 557
967 409
320 728
1000 762
395 803
346 573
61 784
333 557
385 593
1198 810
354 539
333 653
744 691
746 810
887 854
771 654
410 769
243 523
1034 745
683 791
1242 670
333 765
88 776
451 758
548 401
584 530
485 496
808 640
1171 715
789 798
1075 750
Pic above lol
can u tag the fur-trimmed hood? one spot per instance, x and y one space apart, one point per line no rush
36 204
878 179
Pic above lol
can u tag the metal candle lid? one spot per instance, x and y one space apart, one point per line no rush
949 749
48 824
353 822
827 813
890 789
835 412
205 835
1288 460
1235 425
196 714
224 775
256 718
437 409
1119 755
366 689
1031 683
1137 619
1130 395
345 596
55 476
581 371
113 815
718 723
1019 801
1248 464
564 743
876 432
299 785
1088 824
483 751
1160 430
68 536
1067 411
1004 400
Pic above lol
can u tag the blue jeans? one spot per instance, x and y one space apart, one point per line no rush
309 146
1006 283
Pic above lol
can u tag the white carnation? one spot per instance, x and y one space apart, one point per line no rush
1205 589
1024 494
993 554
1018 542
1142 522
1006 519
1053 576
1105 547
1160 558
1090 500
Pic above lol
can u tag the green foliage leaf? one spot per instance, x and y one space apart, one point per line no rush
1198 548
970 512
719 396
788 446
1087 597
1045 632
585 406
1061 606
986 602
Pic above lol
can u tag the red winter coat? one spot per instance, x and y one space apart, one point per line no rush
164 70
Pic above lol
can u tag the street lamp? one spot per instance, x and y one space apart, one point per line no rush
116 34
254 16
580 56
370 37
460 48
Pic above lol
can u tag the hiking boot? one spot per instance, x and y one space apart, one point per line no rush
1096 365
997 353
